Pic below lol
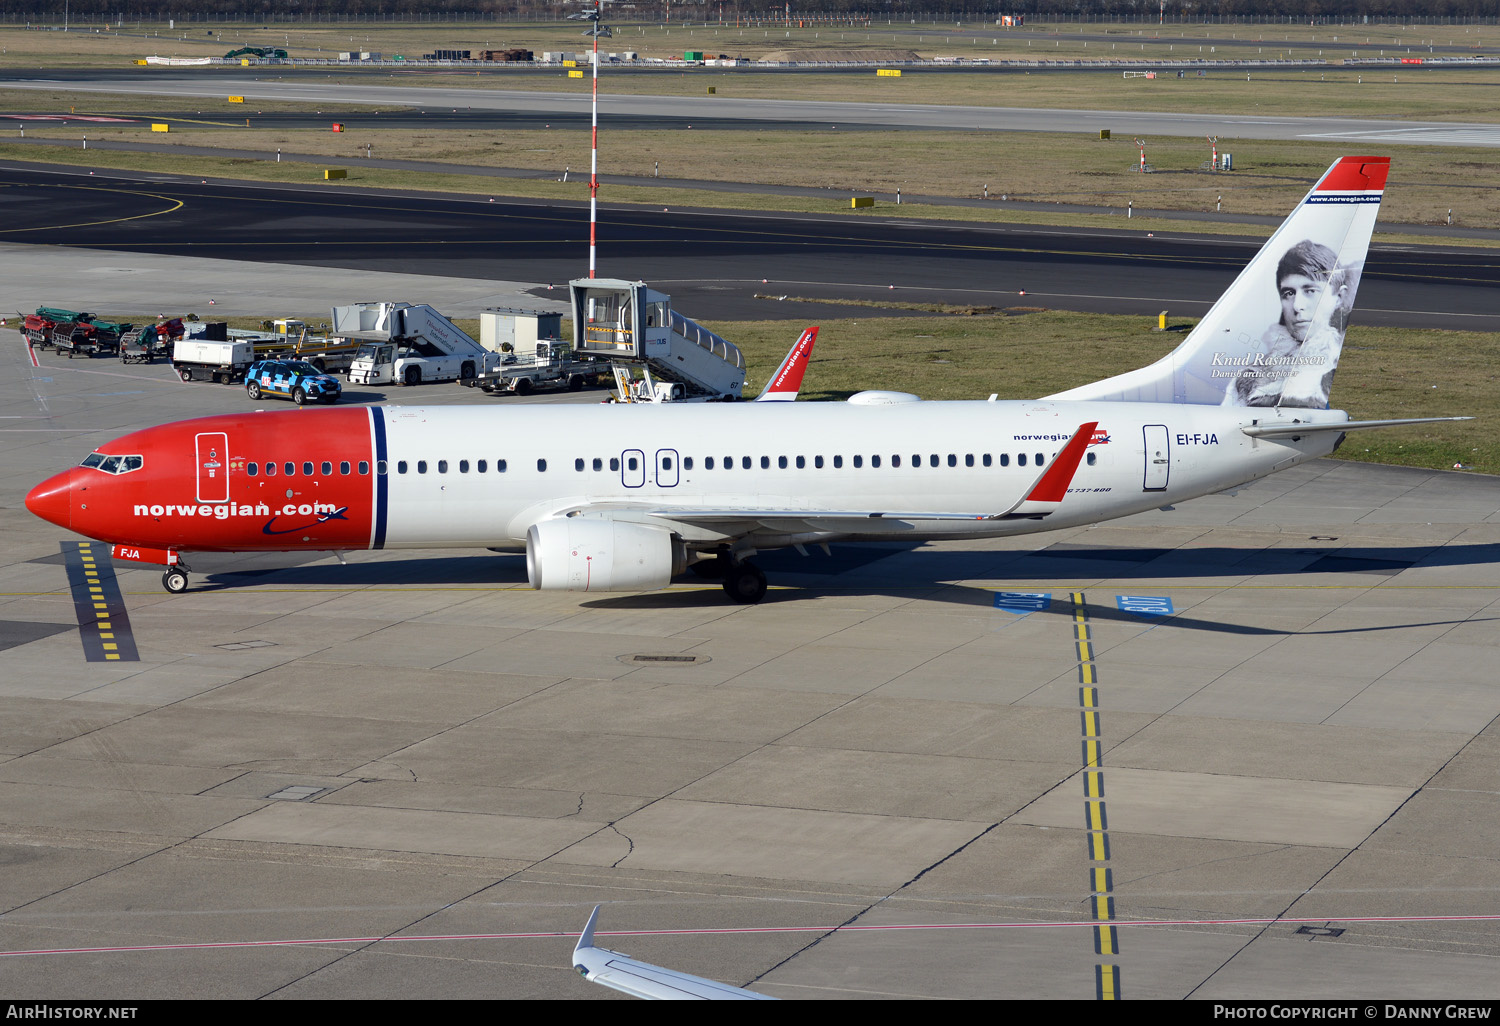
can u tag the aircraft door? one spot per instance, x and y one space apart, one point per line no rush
1158 458
632 468
666 468
213 466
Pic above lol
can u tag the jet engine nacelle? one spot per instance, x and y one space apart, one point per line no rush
584 554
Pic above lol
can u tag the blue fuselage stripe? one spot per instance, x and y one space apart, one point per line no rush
382 482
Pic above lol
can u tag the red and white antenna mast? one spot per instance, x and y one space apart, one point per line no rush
594 157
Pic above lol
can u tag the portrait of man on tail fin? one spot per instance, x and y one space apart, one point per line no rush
1299 352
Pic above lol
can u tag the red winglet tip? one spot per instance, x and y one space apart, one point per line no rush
1054 483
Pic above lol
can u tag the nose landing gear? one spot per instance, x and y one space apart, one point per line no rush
175 580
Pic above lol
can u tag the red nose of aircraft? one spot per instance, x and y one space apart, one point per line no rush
52 500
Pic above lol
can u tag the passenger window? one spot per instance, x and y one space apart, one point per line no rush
421 466
1005 459
578 464
480 466
708 463
614 463
968 459
986 459
875 462
1039 459
307 470
252 469
801 462
765 463
598 463
401 467
343 466
859 461
781 463
745 462
895 461
838 461
1092 458
953 460
666 463
463 466
818 462
327 469
687 463
541 466
499 466
632 464
442 466
1021 459
290 468
270 470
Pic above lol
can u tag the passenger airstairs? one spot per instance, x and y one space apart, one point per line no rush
421 328
636 329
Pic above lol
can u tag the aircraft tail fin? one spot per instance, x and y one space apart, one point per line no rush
787 381
1274 338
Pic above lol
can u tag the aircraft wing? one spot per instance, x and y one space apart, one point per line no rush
644 980
1043 498
787 381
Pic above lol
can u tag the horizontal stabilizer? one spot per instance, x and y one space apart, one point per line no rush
1285 430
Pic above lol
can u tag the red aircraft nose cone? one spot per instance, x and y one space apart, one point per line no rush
52 500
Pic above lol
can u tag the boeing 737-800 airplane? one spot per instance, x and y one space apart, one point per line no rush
622 497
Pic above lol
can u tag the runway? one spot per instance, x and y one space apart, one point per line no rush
314 88
1262 723
715 264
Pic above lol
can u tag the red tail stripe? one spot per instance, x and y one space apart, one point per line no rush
1357 174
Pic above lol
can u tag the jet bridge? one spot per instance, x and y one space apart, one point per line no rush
636 329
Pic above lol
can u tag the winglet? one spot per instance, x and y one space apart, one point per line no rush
586 938
787 381
1050 488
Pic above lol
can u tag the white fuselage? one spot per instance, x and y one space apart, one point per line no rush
640 461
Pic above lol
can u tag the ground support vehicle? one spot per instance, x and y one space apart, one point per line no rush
552 366
402 344
296 380
206 360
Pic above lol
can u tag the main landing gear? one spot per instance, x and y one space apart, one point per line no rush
175 580
744 582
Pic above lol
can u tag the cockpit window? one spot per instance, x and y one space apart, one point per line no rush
113 464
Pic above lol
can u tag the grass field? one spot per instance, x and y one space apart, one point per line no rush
1270 176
